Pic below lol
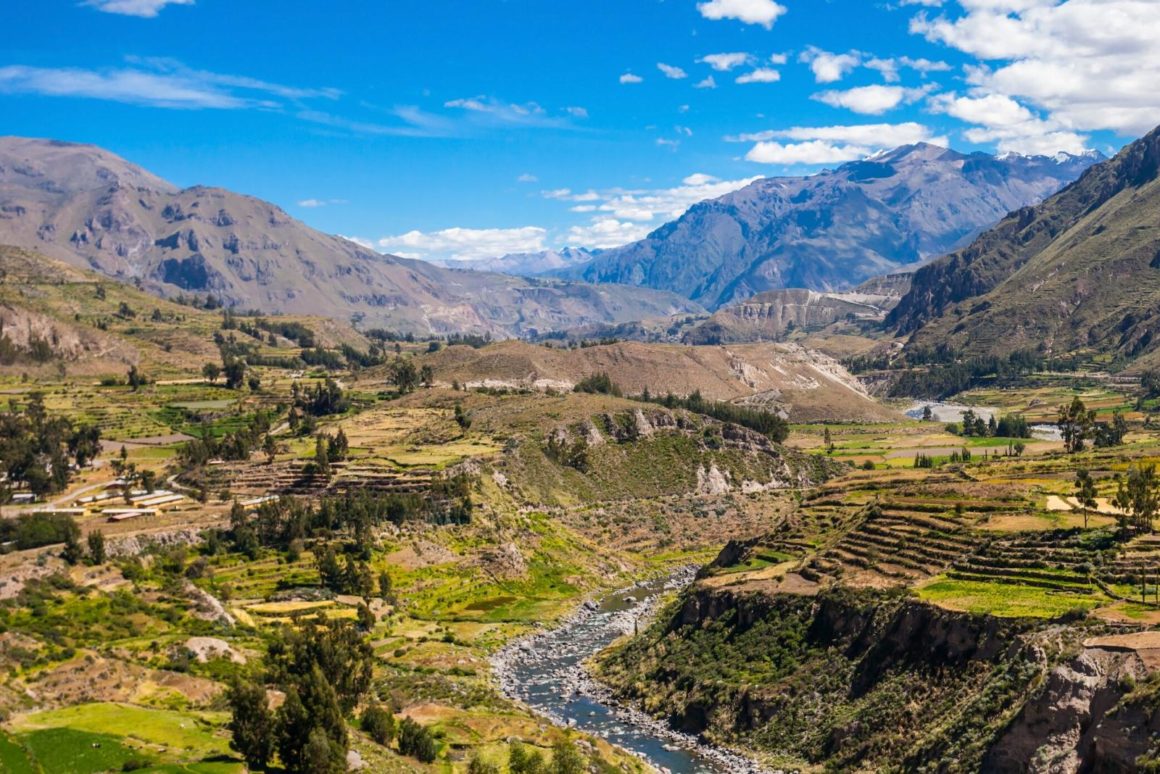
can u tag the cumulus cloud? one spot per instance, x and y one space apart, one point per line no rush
1010 125
146 9
606 232
760 75
527 177
828 67
763 12
621 215
630 78
707 83
814 145
464 244
1091 64
671 71
811 153
725 62
870 100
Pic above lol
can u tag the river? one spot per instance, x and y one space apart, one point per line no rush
546 672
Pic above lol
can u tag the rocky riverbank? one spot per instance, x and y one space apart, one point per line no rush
547 672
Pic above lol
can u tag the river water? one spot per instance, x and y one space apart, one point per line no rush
546 672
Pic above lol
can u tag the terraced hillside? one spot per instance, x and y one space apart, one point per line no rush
927 619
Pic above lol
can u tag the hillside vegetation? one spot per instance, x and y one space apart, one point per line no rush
1078 274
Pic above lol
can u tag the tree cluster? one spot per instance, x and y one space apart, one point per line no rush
323 669
37 449
1078 425
768 424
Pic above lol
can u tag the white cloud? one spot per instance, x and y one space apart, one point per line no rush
576 112
1011 126
725 62
870 100
829 67
889 66
527 177
763 12
489 111
464 244
1091 64
184 89
868 135
707 83
630 78
314 203
760 75
699 178
146 9
606 232
814 145
622 215
664 142
670 71
812 153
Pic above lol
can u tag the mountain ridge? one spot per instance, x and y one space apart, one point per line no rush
833 230
92 209
1076 272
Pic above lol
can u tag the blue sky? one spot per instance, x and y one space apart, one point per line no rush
463 129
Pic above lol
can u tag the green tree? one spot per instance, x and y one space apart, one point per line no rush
379 724
404 375
97 553
321 456
1085 492
522 760
251 722
211 372
136 379
336 647
417 742
566 759
235 371
323 755
1075 425
1138 498
311 704
72 552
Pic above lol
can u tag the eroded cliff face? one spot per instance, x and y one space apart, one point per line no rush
869 680
1095 712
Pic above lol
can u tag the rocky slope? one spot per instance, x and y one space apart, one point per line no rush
771 315
833 230
867 681
85 206
1081 271
805 385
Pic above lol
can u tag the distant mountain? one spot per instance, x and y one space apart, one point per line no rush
772 315
833 230
92 209
528 264
1078 273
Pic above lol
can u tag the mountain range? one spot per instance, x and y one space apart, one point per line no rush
1078 272
527 264
94 210
836 229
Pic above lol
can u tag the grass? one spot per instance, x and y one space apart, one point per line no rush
1004 600
192 734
